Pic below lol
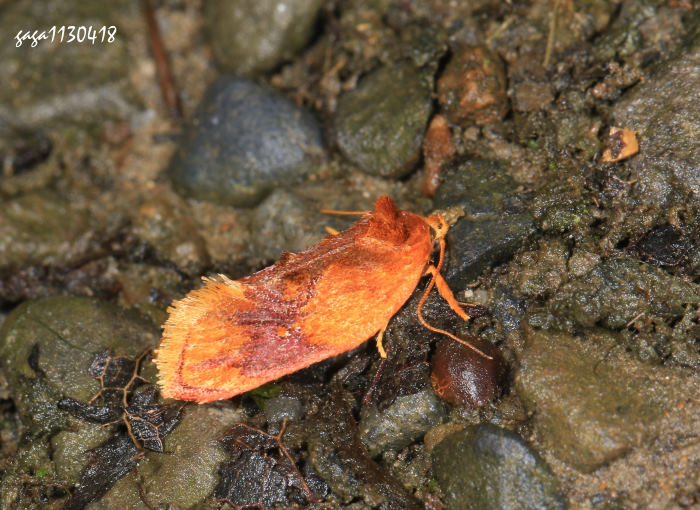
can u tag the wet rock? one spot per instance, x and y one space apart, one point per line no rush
495 222
663 111
574 127
508 311
70 447
27 164
401 423
340 458
665 245
150 289
582 260
285 221
531 96
463 377
486 467
617 290
489 181
243 141
253 37
559 206
81 81
472 89
187 473
380 124
165 223
226 231
623 38
47 345
31 459
94 278
277 409
49 229
474 245
542 270
590 406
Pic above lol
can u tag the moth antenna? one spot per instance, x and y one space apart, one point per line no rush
342 213
419 310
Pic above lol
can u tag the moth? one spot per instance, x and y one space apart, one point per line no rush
231 336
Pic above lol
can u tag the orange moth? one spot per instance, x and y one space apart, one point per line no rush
232 336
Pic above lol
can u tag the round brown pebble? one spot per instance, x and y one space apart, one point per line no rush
473 87
463 377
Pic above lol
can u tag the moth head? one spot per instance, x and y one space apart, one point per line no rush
438 225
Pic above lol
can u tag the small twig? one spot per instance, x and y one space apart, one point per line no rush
550 37
142 496
640 314
499 30
165 75
622 181
373 386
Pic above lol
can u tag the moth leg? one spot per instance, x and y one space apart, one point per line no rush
445 291
331 231
380 347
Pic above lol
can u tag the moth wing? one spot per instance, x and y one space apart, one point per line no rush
201 328
230 337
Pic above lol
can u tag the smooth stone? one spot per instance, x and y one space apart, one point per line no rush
248 38
402 423
663 111
60 337
185 475
243 141
485 467
495 223
380 124
280 408
70 447
591 403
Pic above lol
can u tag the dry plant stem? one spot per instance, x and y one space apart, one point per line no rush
373 385
166 81
550 36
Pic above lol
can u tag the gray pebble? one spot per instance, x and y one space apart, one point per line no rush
243 141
